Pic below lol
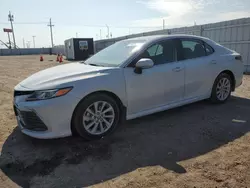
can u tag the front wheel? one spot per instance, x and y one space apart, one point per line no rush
222 88
96 116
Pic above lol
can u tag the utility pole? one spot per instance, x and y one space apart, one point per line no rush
34 44
108 30
23 43
28 44
51 32
11 19
9 39
163 24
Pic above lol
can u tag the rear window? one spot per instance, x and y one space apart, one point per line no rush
195 48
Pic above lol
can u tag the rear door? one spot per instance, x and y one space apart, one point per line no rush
200 67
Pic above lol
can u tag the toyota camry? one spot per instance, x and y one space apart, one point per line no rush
129 79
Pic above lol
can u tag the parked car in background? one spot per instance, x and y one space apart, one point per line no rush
129 79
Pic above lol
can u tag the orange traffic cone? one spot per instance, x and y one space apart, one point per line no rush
41 58
61 59
57 58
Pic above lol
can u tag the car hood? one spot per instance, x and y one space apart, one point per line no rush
61 75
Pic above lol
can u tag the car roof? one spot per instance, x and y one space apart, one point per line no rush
153 38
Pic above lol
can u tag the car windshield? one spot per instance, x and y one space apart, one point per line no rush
115 54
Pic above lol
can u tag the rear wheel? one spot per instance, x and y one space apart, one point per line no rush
96 116
222 88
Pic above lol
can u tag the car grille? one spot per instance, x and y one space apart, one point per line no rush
19 93
30 120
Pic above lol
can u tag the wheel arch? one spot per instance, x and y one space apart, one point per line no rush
119 102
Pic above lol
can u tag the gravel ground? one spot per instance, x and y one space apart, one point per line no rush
198 145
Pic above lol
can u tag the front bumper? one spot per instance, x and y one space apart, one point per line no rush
29 120
46 119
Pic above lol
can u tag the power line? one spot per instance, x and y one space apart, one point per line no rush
4 44
58 23
11 19
24 23
105 26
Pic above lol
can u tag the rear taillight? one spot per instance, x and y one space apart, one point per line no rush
238 57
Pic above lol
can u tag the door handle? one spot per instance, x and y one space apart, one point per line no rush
177 69
213 62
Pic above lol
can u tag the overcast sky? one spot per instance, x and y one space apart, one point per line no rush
88 17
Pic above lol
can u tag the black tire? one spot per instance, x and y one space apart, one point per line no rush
82 107
214 98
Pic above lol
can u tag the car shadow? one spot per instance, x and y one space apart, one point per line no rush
160 139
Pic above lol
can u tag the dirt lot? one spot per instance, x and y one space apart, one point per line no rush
199 145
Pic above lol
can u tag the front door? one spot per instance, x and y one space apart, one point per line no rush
157 86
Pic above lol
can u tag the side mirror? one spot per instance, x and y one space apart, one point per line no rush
144 63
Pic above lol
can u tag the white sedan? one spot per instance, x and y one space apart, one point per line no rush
129 79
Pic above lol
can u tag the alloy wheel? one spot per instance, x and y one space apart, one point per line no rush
223 89
98 117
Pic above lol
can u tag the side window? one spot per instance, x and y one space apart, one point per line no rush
209 49
189 44
193 49
161 53
154 50
159 50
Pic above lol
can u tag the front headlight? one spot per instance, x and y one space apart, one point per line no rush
48 94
